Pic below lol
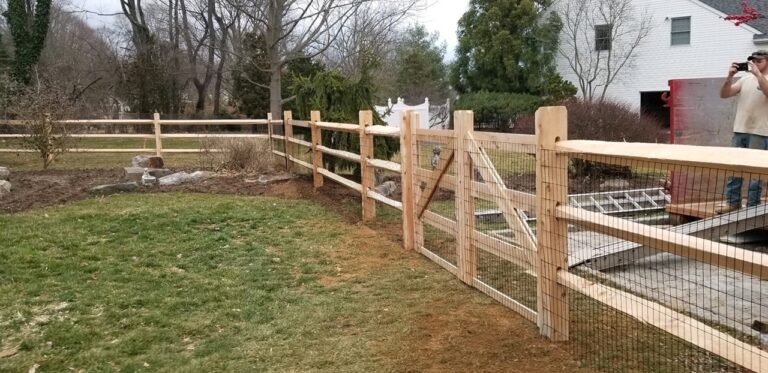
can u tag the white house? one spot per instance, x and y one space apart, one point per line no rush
687 39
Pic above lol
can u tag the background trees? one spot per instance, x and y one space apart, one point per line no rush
508 46
597 68
28 23
505 61
251 57
420 68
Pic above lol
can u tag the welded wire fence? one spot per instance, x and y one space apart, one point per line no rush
629 251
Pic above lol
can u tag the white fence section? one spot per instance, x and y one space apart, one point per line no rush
431 116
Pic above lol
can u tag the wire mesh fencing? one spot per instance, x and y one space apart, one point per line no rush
675 248
642 261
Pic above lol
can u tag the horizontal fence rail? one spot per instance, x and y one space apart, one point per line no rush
157 134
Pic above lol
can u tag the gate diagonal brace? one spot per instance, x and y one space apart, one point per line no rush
512 215
434 179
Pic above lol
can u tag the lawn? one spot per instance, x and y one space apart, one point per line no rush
188 282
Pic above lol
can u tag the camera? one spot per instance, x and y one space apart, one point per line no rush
742 66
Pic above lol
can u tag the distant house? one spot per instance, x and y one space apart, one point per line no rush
688 39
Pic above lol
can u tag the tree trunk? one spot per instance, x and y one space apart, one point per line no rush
200 87
220 70
275 90
217 88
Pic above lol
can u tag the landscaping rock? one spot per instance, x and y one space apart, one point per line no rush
386 189
5 187
148 179
156 162
135 173
141 161
108 189
5 173
269 179
183 178
615 184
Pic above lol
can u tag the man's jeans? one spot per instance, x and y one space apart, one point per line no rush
733 188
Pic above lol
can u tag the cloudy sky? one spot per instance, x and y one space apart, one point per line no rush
441 16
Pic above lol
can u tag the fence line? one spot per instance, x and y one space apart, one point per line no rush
466 166
531 268
157 135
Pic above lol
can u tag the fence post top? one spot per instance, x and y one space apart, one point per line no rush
551 125
156 116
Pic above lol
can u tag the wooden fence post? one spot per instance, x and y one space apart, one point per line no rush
551 233
158 135
269 134
317 155
406 178
415 164
465 203
367 175
288 125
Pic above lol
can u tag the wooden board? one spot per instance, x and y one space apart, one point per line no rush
713 228
699 249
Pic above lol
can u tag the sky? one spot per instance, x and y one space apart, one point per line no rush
440 16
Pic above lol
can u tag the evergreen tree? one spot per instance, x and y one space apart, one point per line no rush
28 31
421 71
509 46
251 78
340 99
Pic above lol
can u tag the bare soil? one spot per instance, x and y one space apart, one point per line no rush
452 336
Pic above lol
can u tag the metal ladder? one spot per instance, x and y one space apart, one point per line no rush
623 202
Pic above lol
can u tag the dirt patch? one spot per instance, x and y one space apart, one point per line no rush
36 189
453 333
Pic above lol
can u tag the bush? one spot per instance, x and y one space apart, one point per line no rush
236 154
605 121
498 111
40 109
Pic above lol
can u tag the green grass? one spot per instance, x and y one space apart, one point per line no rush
179 282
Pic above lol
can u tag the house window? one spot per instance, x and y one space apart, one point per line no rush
681 31
602 37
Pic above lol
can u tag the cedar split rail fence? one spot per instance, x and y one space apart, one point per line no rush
631 292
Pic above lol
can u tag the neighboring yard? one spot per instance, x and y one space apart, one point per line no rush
207 282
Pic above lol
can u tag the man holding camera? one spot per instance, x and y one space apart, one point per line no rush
750 128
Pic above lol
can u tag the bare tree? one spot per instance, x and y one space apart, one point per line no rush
599 39
227 18
295 29
370 37
199 37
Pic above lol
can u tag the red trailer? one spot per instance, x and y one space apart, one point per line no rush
698 116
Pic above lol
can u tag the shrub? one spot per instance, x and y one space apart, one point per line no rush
498 111
40 109
605 121
236 154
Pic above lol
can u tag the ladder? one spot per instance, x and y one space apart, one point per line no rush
623 202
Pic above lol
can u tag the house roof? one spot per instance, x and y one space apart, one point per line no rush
734 7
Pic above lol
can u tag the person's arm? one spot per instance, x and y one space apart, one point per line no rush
729 88
761 80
